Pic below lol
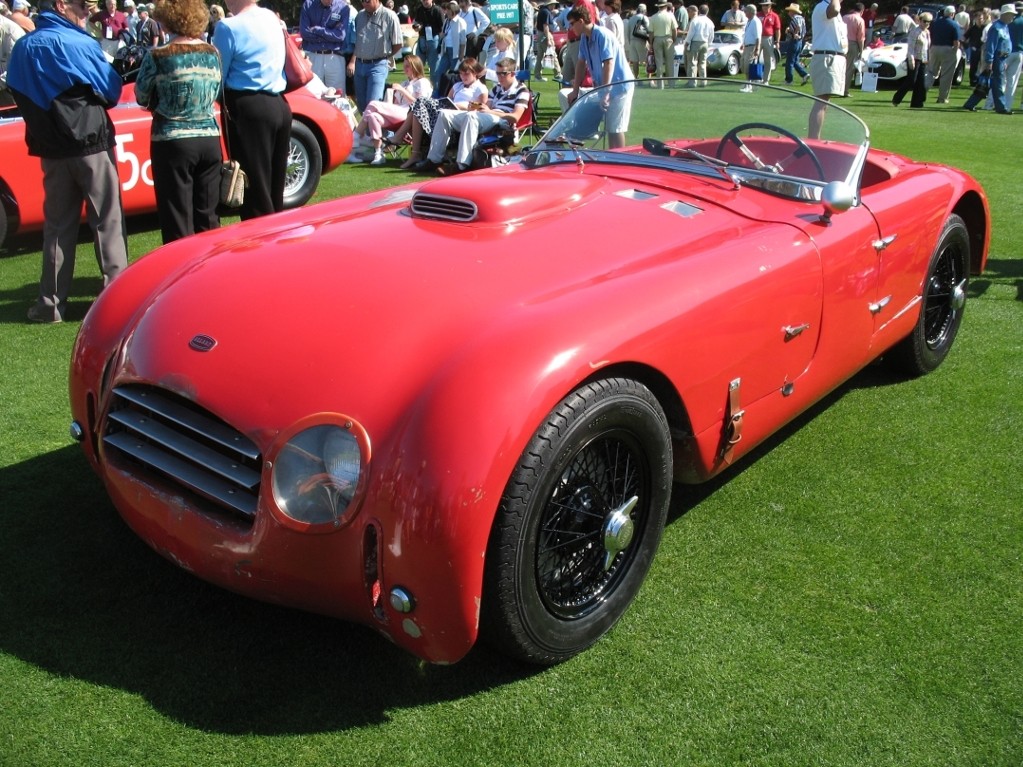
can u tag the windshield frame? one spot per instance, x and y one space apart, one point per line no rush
845 138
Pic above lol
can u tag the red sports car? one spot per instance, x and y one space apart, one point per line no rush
321 139
460 407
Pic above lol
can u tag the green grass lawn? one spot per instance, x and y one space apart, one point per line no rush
852 594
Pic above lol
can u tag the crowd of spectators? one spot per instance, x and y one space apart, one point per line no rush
237 56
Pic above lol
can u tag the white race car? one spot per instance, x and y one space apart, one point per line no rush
889 61
723 54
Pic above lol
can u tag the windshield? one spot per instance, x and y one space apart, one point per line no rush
753 135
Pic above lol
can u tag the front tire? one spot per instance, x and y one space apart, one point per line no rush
732 66
941 310
579 523
305 166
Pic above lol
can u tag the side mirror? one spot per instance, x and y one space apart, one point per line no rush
836 197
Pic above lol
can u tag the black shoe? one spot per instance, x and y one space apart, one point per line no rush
969 109
425 166
1006 112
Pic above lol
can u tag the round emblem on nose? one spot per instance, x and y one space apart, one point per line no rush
202 343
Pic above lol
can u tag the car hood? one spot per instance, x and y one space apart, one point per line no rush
362 295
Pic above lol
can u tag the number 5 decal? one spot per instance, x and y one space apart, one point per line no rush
135 169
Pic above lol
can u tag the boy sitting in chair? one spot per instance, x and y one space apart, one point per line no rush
508 100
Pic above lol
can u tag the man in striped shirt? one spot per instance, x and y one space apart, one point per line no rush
508 100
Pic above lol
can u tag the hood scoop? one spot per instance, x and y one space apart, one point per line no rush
442 207
485 197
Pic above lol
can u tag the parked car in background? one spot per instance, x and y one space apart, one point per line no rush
321 139
889 61
461 407
724 54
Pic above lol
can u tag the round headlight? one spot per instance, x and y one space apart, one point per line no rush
316 475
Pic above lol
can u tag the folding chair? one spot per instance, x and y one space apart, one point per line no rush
494 146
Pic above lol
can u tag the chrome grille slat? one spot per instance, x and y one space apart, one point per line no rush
189 449
184 445
443 207
191 420
187 474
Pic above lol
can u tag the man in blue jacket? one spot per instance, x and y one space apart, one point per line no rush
64 86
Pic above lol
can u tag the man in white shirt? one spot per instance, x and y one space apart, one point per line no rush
902 24
734 17
698 39
827 65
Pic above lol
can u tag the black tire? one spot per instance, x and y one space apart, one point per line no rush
941 310
733 65
4 223
578 524
305 166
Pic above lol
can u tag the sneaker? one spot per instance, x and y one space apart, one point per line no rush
355 156
46 315
806 79
378 159
540 79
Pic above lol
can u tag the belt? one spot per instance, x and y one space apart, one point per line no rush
328 53
827 53
370 61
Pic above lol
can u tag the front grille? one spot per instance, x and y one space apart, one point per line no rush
886 71
446 208
186 445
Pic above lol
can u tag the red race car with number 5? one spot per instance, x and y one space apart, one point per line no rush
460 408
321 139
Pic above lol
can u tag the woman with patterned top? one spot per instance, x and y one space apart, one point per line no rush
180 82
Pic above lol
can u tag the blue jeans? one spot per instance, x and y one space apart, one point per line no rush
448 60
429 52
792 60
370 80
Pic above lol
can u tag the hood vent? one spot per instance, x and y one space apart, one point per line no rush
443 207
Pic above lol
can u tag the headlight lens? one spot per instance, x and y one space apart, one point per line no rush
316 475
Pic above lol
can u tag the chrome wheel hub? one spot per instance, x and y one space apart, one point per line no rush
618 531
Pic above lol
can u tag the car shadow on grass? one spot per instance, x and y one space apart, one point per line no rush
83 597
686 497
999 273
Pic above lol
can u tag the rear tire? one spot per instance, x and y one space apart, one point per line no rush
578 524
960 71
941 310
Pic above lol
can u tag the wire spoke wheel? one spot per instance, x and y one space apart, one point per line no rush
945 296
583 545
579 523
941 310
304 168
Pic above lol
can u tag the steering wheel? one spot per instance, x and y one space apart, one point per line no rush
732 137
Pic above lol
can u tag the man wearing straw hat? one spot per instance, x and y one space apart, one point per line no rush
792 46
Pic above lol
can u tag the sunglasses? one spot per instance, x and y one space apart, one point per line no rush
503 72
